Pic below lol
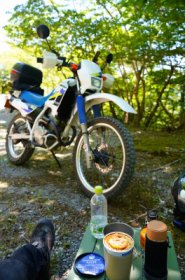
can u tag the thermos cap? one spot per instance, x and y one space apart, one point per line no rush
156 231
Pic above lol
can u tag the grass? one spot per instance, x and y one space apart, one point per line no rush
159 142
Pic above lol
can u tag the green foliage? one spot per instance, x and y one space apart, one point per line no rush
4 79
145 36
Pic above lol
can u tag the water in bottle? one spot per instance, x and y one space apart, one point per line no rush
98 212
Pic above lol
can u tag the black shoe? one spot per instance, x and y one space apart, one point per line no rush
43 236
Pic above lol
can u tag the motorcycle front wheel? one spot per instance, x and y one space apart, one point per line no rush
18 150
113 157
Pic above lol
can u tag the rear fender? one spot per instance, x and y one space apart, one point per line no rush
22 107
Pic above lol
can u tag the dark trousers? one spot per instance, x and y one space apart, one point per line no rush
27 263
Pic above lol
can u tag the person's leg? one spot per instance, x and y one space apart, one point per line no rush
32 261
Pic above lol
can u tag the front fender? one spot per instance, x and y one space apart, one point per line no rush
99 98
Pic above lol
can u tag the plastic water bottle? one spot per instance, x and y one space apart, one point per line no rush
98 212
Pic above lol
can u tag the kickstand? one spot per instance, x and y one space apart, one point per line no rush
58 162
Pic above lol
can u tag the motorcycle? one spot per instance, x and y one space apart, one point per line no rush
103 150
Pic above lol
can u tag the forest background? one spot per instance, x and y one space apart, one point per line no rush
147 39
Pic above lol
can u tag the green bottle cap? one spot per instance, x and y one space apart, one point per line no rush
98 190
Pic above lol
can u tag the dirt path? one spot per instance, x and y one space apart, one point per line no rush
40 189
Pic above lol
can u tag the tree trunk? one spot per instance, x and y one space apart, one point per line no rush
182 112
159 98
111 106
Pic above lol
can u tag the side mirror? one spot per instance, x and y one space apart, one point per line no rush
43 31
109 58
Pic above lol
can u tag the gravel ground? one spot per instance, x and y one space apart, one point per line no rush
70 209
40 188
31 192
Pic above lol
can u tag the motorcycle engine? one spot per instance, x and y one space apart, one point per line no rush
43 137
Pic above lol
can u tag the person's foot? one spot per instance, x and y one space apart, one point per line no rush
43 236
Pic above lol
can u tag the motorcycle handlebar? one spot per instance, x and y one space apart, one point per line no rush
40 60
61 61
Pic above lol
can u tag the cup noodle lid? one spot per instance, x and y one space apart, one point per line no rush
156 231
116 252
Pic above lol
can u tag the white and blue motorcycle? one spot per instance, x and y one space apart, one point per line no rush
103 150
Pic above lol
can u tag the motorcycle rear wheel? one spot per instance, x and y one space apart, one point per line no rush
18 151
113 157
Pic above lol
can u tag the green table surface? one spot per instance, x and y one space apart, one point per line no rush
90 244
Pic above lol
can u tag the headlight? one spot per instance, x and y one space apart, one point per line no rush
96 82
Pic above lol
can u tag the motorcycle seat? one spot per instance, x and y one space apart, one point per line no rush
33 98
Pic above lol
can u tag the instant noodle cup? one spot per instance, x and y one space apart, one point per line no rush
118 254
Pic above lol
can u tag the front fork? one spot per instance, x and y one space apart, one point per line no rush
83 123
